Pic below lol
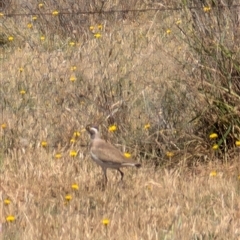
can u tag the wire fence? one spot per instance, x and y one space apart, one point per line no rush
74 12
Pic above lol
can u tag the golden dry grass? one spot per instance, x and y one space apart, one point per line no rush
138 73
149 204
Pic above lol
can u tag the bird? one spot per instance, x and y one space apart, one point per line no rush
106 155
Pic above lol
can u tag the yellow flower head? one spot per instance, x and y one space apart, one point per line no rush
100 27
73 68
76 134
1 14
58 155
73 140
215 147
75 186
10 38
97 35
73 153
213 174
206 9
72 43
34 18
68 197
3 125
178 22
22 92
10 218
127 155
213 136
168 31
40 5
72 78
44 144
21 69
147 126
237 143
105 221
112 128
42 38
91 28
169 154
7 201
238 177
29 25
55 13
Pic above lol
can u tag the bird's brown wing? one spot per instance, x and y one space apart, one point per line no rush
108 153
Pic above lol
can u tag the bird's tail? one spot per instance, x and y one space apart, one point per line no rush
138 165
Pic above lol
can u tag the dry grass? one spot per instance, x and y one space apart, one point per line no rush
140 72
149 204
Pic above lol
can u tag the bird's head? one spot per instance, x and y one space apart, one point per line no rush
93 131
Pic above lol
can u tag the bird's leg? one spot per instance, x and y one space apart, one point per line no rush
122 174
105 175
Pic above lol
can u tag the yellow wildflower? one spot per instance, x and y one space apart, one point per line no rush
178 22
1 14
7 201
58 155
237 143
238 177
29 25
55 13
22 92
71 43
21 69
97 35
72 78
68 197
76 134
100 27
40 5
213 174
206 9
10 218
73 153
42 38
112 128
34 18
215 147
73 140
213 136
168 31
91 28
75 186
105 221
147 126
127 155
3 125
44 144
10 38
73 68
169 154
